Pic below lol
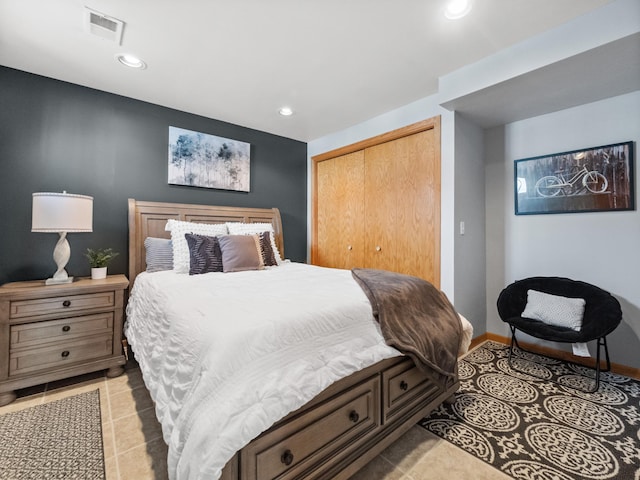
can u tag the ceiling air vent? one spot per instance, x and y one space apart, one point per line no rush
103 25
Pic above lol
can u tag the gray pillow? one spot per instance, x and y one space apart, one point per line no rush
554 309
159 254
240 253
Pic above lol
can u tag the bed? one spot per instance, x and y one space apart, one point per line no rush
328 417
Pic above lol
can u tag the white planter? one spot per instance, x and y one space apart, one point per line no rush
98 273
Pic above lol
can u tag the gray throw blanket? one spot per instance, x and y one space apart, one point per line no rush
416 318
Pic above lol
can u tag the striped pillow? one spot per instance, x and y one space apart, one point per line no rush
204 254
266 250
178 228
159 254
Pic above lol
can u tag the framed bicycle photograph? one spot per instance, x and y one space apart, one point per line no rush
589 180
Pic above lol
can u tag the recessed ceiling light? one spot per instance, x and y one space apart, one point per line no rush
285 111
457 9
131 61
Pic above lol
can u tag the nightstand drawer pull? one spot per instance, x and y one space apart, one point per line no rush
287 457
66 303
66 328
65 354
354 417
404 385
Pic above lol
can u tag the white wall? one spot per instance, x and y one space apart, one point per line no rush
414 112
469 250
602 248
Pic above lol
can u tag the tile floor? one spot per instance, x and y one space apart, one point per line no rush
134 448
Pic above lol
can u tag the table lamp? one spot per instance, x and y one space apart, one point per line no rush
61 213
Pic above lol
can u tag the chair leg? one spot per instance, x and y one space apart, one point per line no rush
606 352
513 340
597 385
602 342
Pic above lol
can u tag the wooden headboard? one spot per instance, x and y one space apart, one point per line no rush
148 219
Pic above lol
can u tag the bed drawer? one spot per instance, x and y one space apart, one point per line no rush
27 335
61 305
404 386
60 354
304 442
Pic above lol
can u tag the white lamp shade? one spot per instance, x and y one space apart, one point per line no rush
61 212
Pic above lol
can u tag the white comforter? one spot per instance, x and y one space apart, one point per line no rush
226 355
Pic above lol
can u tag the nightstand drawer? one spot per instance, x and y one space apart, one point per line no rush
53 331
85 348
62 304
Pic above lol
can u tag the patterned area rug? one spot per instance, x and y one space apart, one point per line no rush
535 429
57 440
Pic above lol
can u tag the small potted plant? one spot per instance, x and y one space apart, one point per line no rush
99 259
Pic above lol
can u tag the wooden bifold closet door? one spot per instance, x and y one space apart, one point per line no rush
376 204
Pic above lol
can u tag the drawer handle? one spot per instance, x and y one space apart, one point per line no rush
66 328
354 417
65 354
287 457
404 385
66 303
378 248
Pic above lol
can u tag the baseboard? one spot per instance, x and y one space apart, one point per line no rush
555 353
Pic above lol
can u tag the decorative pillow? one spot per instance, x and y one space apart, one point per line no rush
204 254
238 228
266 249
554 309
159 254
181 257
240 253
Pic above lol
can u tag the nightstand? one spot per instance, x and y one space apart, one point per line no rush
50 332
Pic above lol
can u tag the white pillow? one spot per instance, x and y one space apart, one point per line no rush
180 247
554 309
237 228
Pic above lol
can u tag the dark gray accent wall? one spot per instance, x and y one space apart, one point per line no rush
57 136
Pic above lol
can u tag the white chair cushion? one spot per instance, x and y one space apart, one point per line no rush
554 309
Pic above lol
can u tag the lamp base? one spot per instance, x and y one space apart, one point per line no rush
58 281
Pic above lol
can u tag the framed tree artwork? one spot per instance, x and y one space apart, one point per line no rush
588 180
202 160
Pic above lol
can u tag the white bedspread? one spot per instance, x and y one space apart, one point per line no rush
226 355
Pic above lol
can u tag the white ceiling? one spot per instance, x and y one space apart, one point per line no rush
335 62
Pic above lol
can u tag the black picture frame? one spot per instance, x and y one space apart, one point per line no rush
592 179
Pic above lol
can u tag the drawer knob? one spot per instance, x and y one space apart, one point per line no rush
349 247
66 328
65 354
404 385
66 303
354 417
378 248
287 457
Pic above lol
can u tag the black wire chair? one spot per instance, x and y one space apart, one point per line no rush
602 314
